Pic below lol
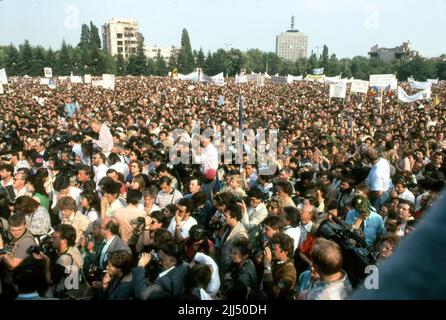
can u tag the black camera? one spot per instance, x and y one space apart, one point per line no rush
35 250
5 250
140 221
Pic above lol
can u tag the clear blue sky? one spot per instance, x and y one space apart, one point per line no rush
348 27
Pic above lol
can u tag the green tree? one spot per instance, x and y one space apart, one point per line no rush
419 68
173 62
274 63
323 60
38 61
50 60
25 61
201 59
441 69
161 68
12 60
185 58
63 66
235 61
255 61
95 39
121 65
137 64
208 66
313 63
85 37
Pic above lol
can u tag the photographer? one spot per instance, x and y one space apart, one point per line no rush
257 212
37 217
280 275
365 220
155 221
105 140
333 283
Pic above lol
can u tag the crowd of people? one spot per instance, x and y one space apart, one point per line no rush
93 204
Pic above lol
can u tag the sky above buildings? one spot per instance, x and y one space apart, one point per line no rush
348 27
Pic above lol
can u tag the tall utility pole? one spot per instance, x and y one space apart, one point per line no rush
292 22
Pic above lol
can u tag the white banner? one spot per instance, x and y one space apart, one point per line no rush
383 80
1 89
338 90
276 79
241 79
87 78
422 95
48 72
432 81
252 77
75 79
108 81
336 79
44 81
318 72
291 79
3 77
360 86
96 83
260 81
218 79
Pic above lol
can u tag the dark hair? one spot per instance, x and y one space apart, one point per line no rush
133 196
93 199
112 226
160 217
61 183
67 203
8 167
199 198
67 232
199 276
165 180
275 222
36 180
161 236
292 215
111 187
101 155
223 198
285 242
171 249
87 170
188 203
25 205
121 259
243 245
286 186
256 193
234 211
29 276
113 158
17 220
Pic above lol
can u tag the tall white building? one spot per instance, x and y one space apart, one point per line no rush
292 45
121 36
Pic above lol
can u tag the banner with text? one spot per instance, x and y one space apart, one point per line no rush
360 86
422 95
338 90
48 72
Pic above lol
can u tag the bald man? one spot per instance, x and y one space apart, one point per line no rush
378 180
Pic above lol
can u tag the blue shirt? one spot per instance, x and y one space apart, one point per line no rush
373 226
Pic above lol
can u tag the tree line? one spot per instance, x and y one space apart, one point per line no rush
88 57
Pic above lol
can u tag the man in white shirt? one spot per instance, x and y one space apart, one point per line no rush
167 195
208 159
105 140
182 221
403 192
99 167
378 180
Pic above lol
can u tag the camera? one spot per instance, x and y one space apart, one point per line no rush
140 221
35 250
5 250
356 255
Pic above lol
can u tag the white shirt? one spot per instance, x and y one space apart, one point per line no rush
407 195
209 158
162 274
121 168
77 149
214 284
184 225
99 173
105 140
293 233
379 176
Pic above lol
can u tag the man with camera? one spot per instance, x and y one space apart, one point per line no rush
112 241
279 276
365 220
105 140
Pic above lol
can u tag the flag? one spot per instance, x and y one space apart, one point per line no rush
174 73
373 92
437 100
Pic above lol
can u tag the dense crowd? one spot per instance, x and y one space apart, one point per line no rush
94 206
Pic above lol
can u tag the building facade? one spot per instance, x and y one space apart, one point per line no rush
152 52
403 52
121 36
292 45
